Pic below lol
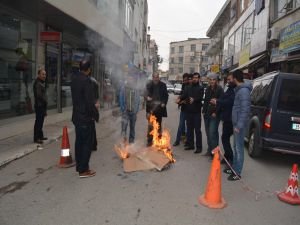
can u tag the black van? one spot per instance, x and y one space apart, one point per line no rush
275 114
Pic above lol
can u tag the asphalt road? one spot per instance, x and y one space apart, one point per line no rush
33 190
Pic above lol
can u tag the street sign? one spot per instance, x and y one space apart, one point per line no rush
50 36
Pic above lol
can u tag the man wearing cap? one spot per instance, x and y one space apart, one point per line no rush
84 116
210 114
129 100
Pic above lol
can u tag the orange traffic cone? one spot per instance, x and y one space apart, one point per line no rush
65 156
291 195
213 197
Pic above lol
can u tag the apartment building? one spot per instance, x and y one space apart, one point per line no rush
188 56
57 34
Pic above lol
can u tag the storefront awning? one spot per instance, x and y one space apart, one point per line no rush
251 61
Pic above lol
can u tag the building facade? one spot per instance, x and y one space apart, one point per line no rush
103 31
188 56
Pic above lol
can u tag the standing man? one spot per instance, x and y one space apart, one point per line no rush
40 106
84 116
129 100
211 117
240 118
193 95
182 118
157 98
224 106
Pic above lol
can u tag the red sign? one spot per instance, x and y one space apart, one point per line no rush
50 36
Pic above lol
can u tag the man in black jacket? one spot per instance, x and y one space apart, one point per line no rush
210 114
224 106
157 98
40 106
193 95
84 115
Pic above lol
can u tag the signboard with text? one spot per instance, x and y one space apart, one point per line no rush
290 38
215 68
50 36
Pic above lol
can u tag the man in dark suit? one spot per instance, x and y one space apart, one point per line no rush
84 116
157 98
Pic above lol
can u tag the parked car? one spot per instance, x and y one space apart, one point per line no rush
275 114
177 89
170 88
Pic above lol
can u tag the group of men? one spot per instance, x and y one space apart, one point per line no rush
232 107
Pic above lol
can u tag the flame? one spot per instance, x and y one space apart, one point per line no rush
122 151
162 142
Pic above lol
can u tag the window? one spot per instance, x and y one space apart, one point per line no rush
180 59
242 5
204 47
289 96
192 59
172 60
261 92
172 50
193 48
282 7
192 69
238 39
172 70
128 16
181 49
247 30
205 59
231 45
180 70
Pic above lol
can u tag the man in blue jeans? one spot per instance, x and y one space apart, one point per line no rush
210 114
129 100
84 116
240 118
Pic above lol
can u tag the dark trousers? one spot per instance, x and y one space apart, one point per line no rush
94 137
181 126
38 124
212 133
83 146
226 134
194 126
150 127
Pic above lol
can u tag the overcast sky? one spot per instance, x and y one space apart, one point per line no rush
175 20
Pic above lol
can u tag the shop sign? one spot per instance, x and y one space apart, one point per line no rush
50 36
244 55
278 56
290 38
215 68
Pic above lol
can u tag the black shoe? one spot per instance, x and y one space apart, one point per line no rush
228 171
198 150
186 144
38 141
207 154
189 148
44 138
176 143
233 177
149 144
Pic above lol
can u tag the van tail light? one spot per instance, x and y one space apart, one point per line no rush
267 121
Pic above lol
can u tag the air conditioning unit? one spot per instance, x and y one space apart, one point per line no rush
273 34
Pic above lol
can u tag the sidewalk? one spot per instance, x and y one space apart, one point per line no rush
16 134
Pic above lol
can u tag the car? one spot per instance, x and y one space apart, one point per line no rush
170 88
177 89
275 114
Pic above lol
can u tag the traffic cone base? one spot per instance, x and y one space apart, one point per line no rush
285 198
220 205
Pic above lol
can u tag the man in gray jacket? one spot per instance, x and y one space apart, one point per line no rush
240 118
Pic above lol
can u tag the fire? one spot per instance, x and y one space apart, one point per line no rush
162 142
122 151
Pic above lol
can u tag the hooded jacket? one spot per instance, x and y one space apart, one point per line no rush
241 105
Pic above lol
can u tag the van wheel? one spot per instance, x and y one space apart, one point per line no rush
254 150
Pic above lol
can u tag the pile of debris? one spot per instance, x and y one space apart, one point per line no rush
158 156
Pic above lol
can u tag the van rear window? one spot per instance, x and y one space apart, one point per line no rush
289 96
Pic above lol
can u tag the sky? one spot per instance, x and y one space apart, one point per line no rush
177 20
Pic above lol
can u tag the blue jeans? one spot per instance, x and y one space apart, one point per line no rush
128 117
238 151
181 126
83 146
212 133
